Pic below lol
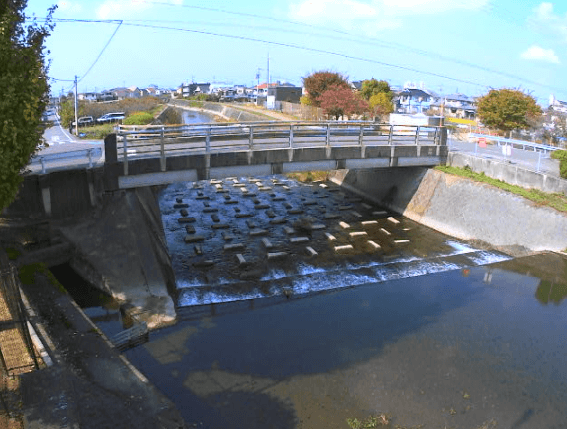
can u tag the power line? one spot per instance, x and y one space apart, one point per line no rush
101 52
487 8
139 23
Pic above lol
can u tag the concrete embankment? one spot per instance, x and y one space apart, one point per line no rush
219 109
461 207
122 250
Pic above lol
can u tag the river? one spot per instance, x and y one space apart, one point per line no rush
428 329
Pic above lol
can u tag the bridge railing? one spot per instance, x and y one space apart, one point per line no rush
161 142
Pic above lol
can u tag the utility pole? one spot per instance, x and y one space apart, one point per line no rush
268 80
257 84
76 110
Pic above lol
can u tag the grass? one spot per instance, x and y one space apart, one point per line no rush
309 176
27 275
556 201
96 132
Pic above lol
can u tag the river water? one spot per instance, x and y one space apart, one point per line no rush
426 328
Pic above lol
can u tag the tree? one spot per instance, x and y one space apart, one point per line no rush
372 87
381 104
317 83
338 101
25 92
508 109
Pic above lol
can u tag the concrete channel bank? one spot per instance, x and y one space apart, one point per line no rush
461 208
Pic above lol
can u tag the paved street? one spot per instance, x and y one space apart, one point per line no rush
528 159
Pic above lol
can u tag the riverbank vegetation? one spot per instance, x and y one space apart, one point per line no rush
561 155
556 201
310 176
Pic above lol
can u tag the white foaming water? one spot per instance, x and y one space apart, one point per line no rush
274 275
460 248
485 258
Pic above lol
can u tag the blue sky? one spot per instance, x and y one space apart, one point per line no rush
450 45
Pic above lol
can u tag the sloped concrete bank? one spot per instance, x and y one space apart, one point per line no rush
121 249
219 109
461 207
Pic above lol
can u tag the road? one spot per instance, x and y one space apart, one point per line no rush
64 150
536 161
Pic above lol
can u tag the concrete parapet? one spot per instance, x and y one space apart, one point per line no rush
460 207
509 173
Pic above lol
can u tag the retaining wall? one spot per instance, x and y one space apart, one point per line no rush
510 173
219 109
460 207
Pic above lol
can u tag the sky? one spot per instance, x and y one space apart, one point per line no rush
449 46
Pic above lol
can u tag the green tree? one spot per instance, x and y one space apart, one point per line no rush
372 87
317 83
381 104
338 101
25 92
508 109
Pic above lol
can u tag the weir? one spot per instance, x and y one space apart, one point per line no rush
245 239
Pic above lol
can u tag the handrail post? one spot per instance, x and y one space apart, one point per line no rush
251 138
208 140
162 149
125 161
390 136
291 135
328 134
90 153
42 165
417 135
361 135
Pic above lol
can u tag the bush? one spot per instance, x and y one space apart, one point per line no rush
139 118
561 155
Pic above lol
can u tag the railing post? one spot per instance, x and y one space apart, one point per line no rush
291 135
162 149
390 136
208 140
417 135
328 142
251 138
90 153
361 135
42 160
125 162
538 161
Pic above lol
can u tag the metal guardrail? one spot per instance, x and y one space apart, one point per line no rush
136 335
90 154
160 141
515 142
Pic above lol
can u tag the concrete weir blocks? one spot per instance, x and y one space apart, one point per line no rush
233 246
276 255
193 238
267 243
311 251
375 245
343 248
298 239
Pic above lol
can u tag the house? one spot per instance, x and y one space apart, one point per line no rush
412 100
557 105
105 96
455 106
87 96
277 94
190 89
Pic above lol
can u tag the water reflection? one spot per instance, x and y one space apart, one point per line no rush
451 349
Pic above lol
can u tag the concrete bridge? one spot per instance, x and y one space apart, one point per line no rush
155 155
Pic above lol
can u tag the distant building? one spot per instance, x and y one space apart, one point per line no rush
557 105
87 96
277 94
190 89
412 100
455 106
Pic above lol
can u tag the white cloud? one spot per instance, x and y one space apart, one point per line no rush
547 20
111 9
537 53
373 15
72 7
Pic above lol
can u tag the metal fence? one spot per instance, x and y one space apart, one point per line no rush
167 141
86 157
302 111
17 353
